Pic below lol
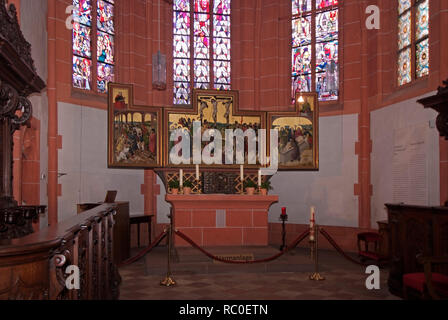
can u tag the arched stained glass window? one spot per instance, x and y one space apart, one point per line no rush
85 32
315 45
413 40
201 47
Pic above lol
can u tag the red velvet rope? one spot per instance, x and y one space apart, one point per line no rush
338 248
293 245
145 251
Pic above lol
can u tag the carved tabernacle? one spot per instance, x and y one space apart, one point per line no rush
18 79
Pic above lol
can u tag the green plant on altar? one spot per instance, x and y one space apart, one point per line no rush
249 184
174 184
266 185
188 184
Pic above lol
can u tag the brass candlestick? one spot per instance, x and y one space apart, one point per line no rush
314 242
169 281
283 218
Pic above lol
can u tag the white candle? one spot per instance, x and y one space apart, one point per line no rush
242 173
259 177
312 216
197 172
181 177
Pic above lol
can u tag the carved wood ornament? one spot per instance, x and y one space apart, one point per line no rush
18 79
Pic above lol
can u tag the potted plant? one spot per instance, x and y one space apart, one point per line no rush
174 186
250 186
265 187
187 187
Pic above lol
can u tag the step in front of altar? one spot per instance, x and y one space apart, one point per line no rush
192 261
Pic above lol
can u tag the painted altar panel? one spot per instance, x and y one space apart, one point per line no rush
134 132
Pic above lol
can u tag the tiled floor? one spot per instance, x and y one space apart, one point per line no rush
344 280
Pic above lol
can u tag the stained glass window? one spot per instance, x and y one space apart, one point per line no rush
206 47
315 61
413 46
84 32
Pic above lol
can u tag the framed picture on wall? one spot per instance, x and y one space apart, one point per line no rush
214 109
298 134
134 132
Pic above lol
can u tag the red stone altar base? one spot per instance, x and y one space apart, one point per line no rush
221 219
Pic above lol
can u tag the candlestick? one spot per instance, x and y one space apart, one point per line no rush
283 211
181 177
197 172
242 173
259 177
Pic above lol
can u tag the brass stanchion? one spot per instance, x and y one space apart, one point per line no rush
314 241
169 281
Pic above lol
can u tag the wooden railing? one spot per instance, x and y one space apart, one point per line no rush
44 265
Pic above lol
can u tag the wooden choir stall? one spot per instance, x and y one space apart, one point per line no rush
34 264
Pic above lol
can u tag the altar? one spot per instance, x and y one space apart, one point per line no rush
222 219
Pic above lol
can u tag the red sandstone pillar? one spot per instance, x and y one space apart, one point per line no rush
52 188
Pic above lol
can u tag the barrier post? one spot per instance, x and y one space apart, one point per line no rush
314 241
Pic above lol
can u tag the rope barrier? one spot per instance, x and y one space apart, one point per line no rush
208 254
144 251
338 248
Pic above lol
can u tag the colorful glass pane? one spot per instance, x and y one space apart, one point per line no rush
201 85
181 46
221 7
300 6
105 47
220 86
221 49
105 75
181 69
181 5
327 26
201 48
404 30
422 19
301 84
422 63
403 5
82 73
326 53
325 3
202 6
301 31
327 86
221 26
181 93
81 40
181 23
221 70
201 71
82 11
301 60
105 12
202 25
404 67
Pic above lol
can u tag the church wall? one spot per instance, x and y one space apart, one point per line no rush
402 118
83 162
33 21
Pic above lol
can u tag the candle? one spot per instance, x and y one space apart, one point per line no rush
181 177
197 172
312 217
283 211
242 173
259 177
